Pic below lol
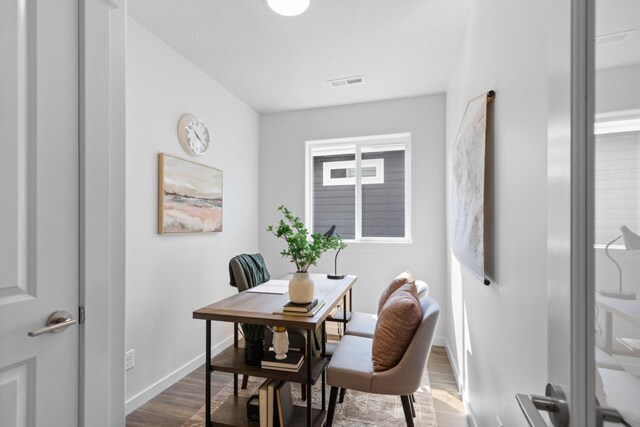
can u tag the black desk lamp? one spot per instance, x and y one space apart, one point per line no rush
330 232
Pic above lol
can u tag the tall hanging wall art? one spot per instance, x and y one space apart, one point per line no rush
469 151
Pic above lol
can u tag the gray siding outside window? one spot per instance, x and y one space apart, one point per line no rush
383 210
383 204
334 204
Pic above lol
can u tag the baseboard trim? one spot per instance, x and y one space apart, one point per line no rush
454 365
471 419
158 387
440 342
456 374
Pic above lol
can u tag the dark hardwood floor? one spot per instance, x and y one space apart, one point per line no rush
178 403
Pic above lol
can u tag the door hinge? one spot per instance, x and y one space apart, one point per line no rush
81 315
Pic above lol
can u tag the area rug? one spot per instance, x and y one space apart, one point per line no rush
358 409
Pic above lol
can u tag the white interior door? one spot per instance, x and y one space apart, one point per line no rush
593 217
38 211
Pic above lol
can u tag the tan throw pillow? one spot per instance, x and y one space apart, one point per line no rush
407 274
397 323
401 279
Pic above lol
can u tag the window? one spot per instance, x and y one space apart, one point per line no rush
617 174
361 185
344 173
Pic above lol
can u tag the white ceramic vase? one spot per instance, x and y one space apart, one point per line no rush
301 288
281 344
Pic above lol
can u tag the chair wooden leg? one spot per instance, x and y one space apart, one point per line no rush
245 381
413 409
333 396
406 405
343 391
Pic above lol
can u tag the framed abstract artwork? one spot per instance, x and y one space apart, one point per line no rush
467 198
189 196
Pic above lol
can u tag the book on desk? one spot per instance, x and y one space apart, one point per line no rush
276 403
312 312
292 363
300 308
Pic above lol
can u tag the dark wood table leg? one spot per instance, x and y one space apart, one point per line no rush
235 344
310 345
207 374
344 314
324 371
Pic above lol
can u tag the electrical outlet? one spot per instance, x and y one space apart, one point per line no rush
499 421
129 360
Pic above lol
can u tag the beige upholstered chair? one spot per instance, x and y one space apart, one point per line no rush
364 324
351 366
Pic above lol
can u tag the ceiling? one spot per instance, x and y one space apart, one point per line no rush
274 63
613 17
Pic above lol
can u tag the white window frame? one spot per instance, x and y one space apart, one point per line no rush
616 122
327 167
348 146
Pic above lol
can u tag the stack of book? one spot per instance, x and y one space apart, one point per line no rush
276 403
300 308
307 310
291 363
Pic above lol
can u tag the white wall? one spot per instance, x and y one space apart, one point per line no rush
170 276
282 168
497 334
617 89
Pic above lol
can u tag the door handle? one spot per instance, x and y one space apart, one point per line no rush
57 322
610 415
554 403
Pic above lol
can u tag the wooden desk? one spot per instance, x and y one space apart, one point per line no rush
624 308
255 308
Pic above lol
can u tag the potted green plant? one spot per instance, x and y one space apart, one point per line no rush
304 250
253 343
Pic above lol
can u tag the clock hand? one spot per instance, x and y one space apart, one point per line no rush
199 138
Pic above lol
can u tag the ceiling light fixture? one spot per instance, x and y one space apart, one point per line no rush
289 7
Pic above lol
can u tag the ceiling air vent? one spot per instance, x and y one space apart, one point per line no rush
346 81
614 37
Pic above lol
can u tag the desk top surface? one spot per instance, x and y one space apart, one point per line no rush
628 309
256 308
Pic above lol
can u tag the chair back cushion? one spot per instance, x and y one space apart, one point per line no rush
405 378
401 279
247 271
238 274
397 323
422 288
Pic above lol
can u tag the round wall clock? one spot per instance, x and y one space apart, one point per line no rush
193 135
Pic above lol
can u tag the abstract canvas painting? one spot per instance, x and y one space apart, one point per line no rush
468 186
189 196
